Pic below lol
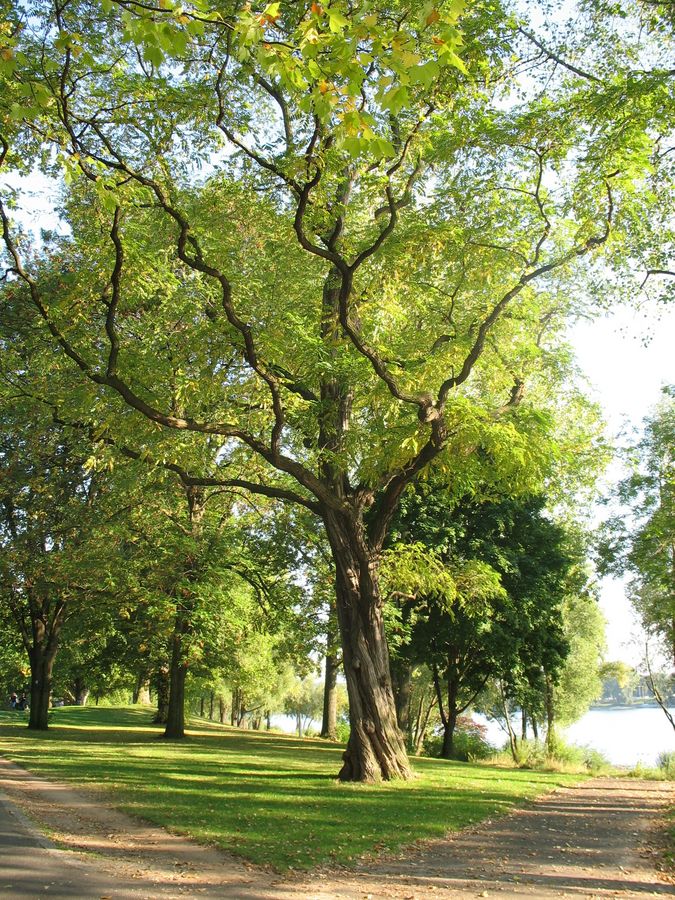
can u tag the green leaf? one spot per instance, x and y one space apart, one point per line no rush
395 99
153 54
272 10
448 56
425 74
336 21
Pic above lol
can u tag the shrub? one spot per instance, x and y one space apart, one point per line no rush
469 742
566 757
666 763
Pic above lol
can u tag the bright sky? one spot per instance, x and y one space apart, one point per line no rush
627 358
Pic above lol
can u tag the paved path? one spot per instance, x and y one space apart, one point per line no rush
32 866
590 841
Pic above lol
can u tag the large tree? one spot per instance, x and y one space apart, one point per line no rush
380 229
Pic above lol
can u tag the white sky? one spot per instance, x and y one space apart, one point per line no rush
627 357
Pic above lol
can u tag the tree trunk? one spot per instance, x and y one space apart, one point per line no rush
81 692
376 749
513 740
448 748
183 625
162 687
41 666
141 692
201 706
175 714
421 723
212 701
450 722
329 721
175 719
550 718
402 673
221 710
523 725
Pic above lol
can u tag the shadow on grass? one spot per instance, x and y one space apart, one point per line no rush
272 799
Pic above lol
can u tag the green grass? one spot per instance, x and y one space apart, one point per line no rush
271 798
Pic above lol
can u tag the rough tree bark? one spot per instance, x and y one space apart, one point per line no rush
175 718
41 666
41 640
376 749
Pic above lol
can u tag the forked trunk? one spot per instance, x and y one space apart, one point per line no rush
376 749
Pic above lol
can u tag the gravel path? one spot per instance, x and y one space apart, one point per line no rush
599 839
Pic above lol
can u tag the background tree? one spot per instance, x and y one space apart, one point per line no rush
304 702
509 563
579 682
619 681
643 544
59 542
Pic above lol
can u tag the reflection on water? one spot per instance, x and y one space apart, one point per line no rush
625 736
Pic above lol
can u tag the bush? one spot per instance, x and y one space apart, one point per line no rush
566 757
666 763
469 742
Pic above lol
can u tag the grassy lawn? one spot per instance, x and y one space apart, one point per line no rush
270 798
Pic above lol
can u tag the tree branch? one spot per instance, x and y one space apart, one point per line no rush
558 59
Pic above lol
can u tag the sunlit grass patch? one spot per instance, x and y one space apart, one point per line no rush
270 798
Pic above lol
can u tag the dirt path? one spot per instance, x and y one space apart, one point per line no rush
596 840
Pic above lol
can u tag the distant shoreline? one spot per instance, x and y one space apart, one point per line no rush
638 704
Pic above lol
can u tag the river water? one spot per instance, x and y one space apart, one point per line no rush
625 736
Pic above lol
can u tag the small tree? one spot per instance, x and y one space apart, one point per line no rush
305 702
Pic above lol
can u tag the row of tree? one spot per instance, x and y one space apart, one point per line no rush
312 255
